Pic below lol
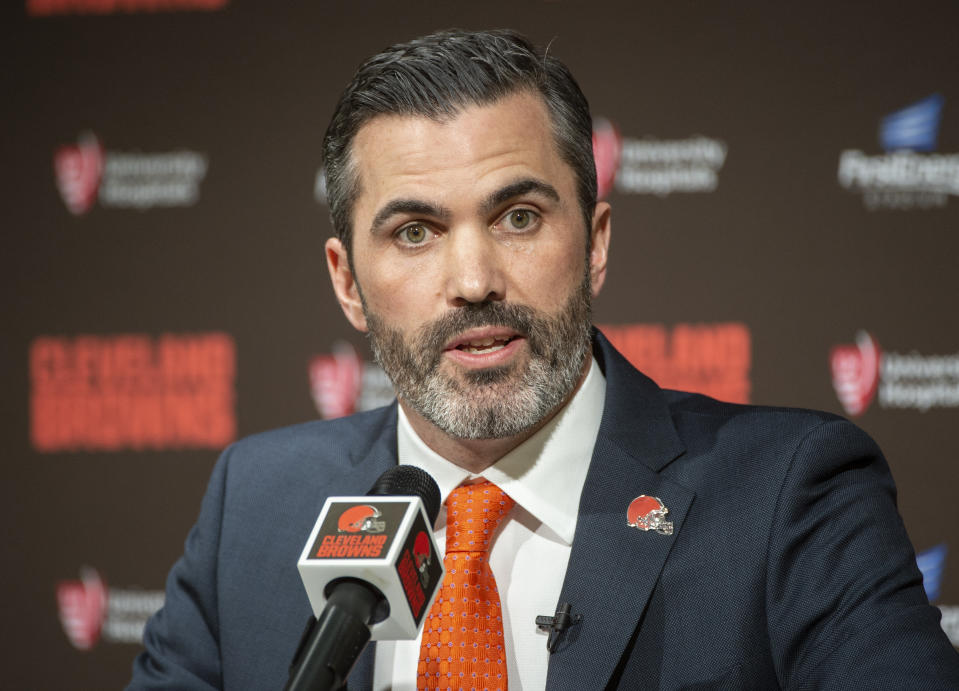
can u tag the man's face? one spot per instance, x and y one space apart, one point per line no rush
472 273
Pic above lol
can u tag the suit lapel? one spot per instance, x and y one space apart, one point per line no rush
613 568
374 460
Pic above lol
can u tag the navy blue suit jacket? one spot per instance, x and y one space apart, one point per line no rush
788 567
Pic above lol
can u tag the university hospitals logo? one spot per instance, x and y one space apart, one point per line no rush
87 173
607 149
83 608
335 381
78 168
342 384
90 611
637 166
861 370
655 166
855 373
909 175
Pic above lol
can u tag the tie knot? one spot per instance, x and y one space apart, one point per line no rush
472 514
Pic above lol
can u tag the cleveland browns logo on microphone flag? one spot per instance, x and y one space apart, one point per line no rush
355 529
422 555
363 518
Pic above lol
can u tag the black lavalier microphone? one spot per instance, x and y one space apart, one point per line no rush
371 566
557 623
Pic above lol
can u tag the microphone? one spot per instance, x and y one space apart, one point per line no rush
556 624
371 571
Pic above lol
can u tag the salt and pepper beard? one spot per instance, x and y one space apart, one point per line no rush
496 402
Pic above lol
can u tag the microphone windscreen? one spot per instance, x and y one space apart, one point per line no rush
408 480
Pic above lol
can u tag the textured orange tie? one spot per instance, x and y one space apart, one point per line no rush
463 635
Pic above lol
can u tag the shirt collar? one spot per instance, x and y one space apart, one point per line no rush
545 474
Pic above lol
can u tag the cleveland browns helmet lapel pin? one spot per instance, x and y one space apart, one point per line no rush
648 513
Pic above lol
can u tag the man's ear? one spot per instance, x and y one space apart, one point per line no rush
344 283
599 246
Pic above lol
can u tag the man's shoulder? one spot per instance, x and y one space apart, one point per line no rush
767 436
693 409
710 425
634 388
311 447
344 431
688 403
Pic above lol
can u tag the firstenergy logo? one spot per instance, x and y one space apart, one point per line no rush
909 175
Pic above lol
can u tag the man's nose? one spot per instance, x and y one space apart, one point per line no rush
473 267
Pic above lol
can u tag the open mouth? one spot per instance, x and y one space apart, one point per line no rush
484 345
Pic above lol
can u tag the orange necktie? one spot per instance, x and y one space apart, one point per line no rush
463 635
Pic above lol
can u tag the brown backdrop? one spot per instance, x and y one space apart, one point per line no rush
167 290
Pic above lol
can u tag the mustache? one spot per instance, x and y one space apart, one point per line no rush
520 318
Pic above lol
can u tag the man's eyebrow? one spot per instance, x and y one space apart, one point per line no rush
408 206
516 189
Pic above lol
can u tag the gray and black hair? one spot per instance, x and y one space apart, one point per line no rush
438 75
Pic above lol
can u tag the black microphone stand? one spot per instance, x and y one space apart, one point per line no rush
331 644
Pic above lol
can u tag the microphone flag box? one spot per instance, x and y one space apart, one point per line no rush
385 541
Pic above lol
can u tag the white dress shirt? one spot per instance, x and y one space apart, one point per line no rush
545 476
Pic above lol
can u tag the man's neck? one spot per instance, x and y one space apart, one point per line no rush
476 455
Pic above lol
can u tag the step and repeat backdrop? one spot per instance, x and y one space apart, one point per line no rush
783 179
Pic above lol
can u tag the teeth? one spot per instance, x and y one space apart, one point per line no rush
471 348
485 345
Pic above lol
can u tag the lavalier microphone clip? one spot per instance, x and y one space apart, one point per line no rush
556 624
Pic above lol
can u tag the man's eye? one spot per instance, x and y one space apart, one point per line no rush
414 234
520 219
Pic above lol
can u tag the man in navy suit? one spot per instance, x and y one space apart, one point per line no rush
469 245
